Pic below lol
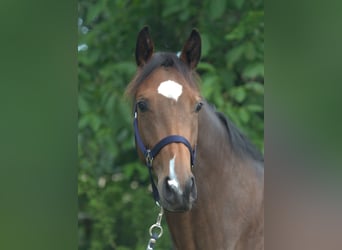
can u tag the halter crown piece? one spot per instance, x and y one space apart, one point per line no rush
151 153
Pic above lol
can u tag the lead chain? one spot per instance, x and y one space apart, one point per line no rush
156 230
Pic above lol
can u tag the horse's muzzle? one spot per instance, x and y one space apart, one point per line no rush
175 198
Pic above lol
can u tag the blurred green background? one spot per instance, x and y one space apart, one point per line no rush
115 204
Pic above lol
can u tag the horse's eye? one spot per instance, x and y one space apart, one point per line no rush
142 105
198 106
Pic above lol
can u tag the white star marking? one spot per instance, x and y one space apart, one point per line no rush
170 89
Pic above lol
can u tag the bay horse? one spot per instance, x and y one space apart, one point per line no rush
210 178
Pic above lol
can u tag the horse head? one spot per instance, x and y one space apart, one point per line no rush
167 103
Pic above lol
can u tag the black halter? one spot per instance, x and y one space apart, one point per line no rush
151 153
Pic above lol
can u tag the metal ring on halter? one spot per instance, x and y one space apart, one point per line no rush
148 158
156 226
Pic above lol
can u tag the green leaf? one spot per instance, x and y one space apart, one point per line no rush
208 84
217 8
95 11
174 7
250 52
205 45
90 120
238 3
239 94
244 115
256 87
83 104
254 108
235 54
205 67
126 67
110 103
254 70
236 34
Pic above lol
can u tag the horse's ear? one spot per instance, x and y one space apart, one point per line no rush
144 48
191 52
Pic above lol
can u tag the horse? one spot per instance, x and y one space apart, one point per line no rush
210 177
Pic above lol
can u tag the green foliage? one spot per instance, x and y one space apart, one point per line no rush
115 204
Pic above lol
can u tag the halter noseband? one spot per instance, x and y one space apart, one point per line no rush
149 154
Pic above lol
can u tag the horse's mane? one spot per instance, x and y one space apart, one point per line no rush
167 60
240 143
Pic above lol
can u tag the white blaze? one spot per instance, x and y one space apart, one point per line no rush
173 177
170 89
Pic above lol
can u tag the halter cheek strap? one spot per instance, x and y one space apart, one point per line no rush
149 154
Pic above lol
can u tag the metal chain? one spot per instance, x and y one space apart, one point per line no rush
156 230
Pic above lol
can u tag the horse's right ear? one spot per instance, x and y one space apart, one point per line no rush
144 48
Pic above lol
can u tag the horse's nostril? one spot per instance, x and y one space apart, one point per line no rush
168 183
192 189
190 186
169 189
193 184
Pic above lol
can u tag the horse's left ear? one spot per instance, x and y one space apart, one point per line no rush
144 47
191 52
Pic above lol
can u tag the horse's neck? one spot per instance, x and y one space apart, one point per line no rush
218 164
230 192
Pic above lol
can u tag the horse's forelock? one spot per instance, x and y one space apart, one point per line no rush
161 59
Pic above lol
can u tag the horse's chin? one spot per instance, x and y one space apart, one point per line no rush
177 208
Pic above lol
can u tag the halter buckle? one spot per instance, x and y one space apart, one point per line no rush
148 158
